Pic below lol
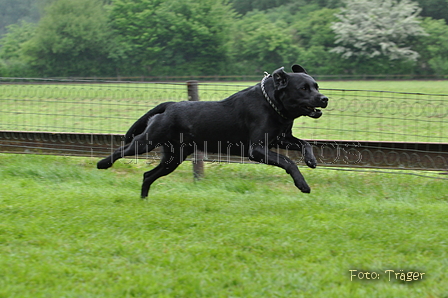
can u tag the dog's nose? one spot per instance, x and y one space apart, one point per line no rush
324 100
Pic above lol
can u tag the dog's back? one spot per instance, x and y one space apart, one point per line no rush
140 125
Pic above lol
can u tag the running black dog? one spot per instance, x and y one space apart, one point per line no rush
247 124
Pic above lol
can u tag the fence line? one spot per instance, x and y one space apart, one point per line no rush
113 107
416 123
353 154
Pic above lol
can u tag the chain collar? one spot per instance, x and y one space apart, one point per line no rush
267 75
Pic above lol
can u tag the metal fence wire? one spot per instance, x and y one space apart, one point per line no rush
82 107
352 116
113 107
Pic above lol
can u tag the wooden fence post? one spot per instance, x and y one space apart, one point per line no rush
198 156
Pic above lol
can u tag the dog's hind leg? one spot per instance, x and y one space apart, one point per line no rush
139 145
142 143
172 158
259 154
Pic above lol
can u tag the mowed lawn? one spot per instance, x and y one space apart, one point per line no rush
69 230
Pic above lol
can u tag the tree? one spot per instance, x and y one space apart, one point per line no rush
315 38
259 45
11 43
371 28
14 11
433 47
11 52
436 9
245 6
72 39
171 36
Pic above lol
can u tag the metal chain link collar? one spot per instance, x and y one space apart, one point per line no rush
267 75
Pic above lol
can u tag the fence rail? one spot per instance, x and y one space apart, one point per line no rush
88 119
354 154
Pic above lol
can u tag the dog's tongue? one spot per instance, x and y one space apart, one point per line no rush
315 114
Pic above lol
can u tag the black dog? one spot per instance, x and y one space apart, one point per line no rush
247 124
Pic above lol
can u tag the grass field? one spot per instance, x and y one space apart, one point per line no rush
354 112
69 230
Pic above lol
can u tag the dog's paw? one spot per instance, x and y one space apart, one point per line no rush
104 164
306 189
312 163
303 186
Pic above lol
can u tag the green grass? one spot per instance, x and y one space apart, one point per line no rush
69 230
351 115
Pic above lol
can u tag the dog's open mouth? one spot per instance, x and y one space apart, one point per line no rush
313 112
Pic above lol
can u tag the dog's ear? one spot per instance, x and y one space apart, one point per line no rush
280 78
298 68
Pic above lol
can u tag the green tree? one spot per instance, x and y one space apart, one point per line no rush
260 45
11 43
11 49
72 39
315 38
436 9
283 36
171 37
371 28
245 6
14 11
433 48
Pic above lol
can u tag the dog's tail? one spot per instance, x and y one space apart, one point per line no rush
140 125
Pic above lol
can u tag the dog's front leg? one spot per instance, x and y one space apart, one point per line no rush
259 154
293 143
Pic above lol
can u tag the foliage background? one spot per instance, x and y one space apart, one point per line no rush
48 38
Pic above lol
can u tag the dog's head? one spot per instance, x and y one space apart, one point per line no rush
298 92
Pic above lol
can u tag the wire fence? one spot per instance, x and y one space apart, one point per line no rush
111 107
358 129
